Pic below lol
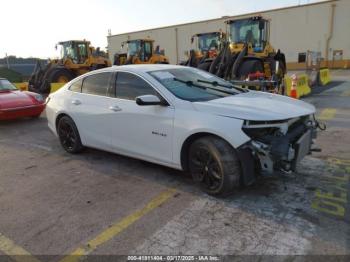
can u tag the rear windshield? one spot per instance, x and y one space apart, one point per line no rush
187 83
6 85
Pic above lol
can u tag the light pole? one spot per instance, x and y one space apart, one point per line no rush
7 61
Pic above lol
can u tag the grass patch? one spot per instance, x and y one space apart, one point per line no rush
10 75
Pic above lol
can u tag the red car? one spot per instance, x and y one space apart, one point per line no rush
15 103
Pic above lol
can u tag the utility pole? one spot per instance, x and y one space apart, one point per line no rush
7 61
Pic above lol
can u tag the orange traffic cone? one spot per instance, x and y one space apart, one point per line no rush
293 91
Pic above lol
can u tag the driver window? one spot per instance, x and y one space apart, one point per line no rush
82 50
82 53
250 34
148 51
70 52
130 86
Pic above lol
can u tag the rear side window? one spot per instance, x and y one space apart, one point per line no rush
130 86
76 86
97 84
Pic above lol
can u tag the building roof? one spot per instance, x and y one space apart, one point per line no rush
229 17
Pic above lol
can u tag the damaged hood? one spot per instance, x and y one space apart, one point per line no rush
256 106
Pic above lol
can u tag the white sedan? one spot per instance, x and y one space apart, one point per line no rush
183 118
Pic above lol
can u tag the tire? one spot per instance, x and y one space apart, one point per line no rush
59 75
214 65
205 66
214 165
55 75
69 135
249 66
97 66
231 60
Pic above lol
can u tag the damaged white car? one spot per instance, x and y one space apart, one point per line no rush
186 119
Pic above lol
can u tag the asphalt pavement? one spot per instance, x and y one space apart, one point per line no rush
60 207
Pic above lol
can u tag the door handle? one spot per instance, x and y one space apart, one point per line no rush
76 102
115 108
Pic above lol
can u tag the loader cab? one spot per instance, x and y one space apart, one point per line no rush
206 42
77 51
253 30
143 49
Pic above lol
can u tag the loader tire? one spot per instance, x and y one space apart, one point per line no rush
249 66
57 75
60 75
213 69
205 66
98 66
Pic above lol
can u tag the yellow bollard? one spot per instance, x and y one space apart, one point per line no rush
302 85
22 86
56 86
325 77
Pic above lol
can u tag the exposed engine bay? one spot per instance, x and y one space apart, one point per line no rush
280 145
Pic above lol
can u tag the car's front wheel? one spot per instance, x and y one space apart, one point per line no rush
69 135
214 165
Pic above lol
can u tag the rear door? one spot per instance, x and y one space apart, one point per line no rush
144 131
89 107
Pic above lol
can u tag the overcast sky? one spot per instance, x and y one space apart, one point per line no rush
32 28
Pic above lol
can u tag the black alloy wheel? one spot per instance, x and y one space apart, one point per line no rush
69 135
214 165
205 168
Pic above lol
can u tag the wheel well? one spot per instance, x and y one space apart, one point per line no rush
186 146
58 118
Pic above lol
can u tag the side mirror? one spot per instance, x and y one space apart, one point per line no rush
149 100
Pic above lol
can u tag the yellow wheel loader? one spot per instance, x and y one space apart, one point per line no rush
249 56
77 58
206 48
140 51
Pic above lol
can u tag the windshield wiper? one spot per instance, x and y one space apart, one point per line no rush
189 83
216 83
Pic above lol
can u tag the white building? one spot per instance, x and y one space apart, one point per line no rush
322 27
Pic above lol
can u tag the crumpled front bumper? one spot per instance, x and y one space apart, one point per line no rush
281 149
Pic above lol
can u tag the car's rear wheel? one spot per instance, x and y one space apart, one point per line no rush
69 135
214 165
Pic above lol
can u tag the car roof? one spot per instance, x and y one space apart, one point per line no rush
137 69
146 68
140 68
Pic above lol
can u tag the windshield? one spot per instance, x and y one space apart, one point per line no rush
76 51
191 84
248 31
134 47
6 85
68 51
208 42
